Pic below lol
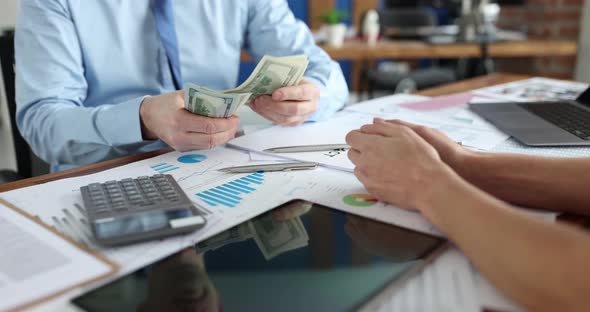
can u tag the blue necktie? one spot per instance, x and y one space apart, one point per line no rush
164 16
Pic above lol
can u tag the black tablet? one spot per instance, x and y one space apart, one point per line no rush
296 257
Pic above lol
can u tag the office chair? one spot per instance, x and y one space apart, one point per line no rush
21 148
407 18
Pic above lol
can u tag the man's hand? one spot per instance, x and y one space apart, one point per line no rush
395 164
291 210
289 106
164 117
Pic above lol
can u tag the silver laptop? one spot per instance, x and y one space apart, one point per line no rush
551 123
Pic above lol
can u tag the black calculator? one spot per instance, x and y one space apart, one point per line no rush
133 210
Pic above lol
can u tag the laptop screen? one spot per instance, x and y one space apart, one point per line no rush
584 98
294 258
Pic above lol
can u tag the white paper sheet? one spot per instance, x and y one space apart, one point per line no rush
36 263
332 131
481 136
489 297
385 105
445 285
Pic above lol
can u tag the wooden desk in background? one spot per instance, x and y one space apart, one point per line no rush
360 53
452 88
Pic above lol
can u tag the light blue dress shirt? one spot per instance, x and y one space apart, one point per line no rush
84 67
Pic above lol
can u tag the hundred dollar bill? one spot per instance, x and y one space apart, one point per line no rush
276 237
210 103
273 73
234 235
270 74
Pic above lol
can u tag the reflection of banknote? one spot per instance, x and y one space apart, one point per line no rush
272 237
276 237
270 74
234 235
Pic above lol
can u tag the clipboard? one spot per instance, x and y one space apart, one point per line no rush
99 257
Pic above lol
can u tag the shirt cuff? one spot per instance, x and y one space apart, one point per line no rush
121 123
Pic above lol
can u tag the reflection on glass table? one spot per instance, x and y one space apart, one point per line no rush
293 258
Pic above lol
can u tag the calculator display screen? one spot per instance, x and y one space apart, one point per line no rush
138 223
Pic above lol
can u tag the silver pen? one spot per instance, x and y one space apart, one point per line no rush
271 167
307 148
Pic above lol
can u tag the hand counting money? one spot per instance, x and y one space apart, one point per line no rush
270 74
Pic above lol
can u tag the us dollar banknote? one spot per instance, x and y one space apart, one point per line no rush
210 103
276 237
270 74
236 234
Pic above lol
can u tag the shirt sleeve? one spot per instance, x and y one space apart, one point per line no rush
273 29
51 89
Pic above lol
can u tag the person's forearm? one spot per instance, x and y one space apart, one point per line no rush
542 266
550 183
63 133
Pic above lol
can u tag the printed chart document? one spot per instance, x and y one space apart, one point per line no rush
480 136
534 89
37 263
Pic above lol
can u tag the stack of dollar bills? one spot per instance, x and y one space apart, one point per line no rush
270 74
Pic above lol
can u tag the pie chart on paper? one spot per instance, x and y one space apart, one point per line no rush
360 200
192 158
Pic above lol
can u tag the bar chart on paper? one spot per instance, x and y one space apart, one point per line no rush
232 193
164 168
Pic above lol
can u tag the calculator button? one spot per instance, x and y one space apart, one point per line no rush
100 202
94 186
135 201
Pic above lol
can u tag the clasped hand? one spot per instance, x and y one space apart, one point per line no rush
402 163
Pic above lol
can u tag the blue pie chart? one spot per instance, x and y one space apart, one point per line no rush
191 158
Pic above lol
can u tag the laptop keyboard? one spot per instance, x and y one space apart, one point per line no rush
566 116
